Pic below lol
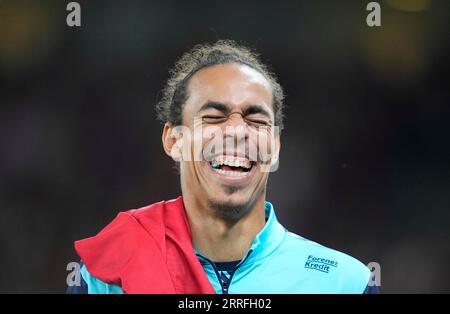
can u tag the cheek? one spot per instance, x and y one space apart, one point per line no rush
211 141
261 144
196 141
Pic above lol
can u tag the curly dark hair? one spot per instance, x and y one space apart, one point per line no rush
174 94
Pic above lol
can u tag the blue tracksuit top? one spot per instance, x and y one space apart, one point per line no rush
278 261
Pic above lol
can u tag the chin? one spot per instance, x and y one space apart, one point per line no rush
231 207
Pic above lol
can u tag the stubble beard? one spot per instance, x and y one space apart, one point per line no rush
230 211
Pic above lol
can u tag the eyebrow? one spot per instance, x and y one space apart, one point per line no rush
251 109
254 109
215 105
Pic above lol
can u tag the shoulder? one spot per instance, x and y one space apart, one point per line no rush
348 274
132 235
96 286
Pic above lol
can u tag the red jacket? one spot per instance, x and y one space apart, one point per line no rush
148 250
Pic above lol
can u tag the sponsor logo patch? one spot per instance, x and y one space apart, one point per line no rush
321 264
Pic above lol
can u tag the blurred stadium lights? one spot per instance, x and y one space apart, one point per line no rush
27 34
400 50
409 5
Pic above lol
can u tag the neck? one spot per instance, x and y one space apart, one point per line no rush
218 239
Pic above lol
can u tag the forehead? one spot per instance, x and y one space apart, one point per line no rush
233 84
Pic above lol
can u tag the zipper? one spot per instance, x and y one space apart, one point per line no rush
235 270
225 287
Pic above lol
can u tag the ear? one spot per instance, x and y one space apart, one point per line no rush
170 142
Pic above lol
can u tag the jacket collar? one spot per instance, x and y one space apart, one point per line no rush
268 239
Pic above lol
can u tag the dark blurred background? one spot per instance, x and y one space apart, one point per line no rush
365 154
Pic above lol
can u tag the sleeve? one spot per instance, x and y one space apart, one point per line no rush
371 287
91 285
372 290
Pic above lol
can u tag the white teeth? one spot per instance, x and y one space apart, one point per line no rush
233 161
232 173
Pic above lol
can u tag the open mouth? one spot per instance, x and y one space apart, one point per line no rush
232 166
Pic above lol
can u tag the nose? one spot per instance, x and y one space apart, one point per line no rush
236 126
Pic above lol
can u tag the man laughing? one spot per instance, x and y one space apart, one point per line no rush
222 115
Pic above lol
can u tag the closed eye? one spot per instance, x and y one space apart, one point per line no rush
213 118
260 122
